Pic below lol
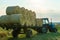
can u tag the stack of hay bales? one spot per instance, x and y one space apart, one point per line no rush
31 17
27 16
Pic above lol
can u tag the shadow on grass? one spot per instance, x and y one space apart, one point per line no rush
48 36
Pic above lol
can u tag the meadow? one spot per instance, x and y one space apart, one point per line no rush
6 35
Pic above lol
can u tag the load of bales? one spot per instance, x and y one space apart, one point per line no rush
16 14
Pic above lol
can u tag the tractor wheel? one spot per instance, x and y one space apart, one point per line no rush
29 33
50 30
44 30
53 30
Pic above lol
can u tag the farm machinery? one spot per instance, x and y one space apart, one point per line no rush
45 25
23 19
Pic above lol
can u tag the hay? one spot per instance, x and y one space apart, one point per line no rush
28 16
39 22
12 10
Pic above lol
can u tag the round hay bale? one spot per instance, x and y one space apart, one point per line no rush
4 19
13 10
15 18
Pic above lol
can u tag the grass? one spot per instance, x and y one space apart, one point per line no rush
47 36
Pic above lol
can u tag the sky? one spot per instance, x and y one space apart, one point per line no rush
43 8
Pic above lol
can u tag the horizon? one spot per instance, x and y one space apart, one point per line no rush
43 8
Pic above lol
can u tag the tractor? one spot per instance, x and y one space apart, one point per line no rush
46 25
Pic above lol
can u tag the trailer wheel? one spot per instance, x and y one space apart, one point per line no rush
14 34
3 27
44 30
29 33
7 28
39 30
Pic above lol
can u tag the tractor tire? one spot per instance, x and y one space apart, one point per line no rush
44 30
53 30
29 33
50 30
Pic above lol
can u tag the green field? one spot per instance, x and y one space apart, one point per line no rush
48 36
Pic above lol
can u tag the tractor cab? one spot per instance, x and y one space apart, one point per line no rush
48 26
45 21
